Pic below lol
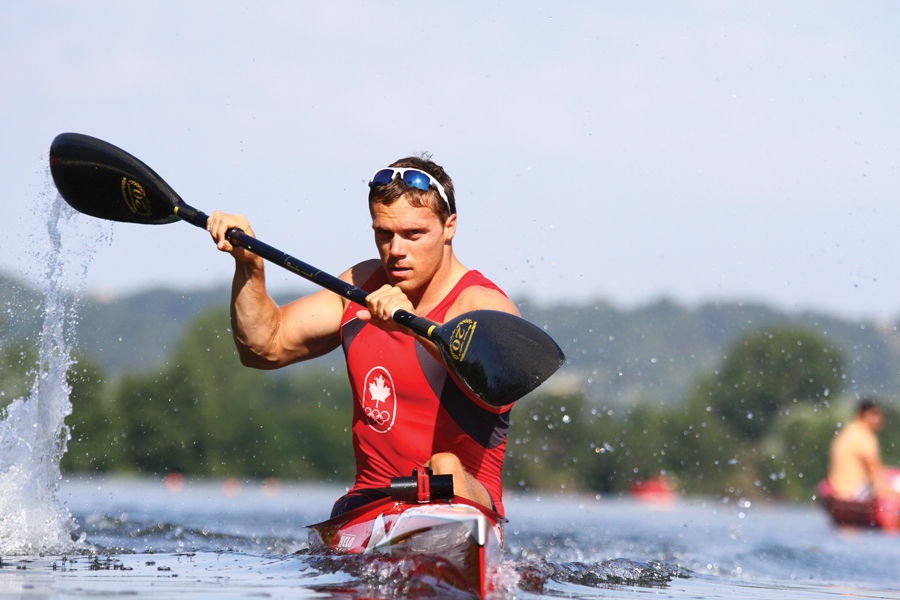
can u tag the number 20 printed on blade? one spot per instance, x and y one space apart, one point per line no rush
462 336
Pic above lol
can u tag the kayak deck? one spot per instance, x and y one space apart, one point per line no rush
466 536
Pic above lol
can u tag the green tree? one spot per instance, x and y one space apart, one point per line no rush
794 457
549 442
18 362
205 413
890 437
91 425
262 423
161 425
230 399
313 418
765 373
698 450
628 444
94 424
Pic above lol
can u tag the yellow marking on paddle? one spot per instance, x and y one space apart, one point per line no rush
469 340
461 338
135 197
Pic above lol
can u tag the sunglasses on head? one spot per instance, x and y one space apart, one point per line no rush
416 178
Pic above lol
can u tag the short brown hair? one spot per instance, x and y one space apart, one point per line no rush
388 194
867 404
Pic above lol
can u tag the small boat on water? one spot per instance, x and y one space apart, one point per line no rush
421 517
658 490
883 514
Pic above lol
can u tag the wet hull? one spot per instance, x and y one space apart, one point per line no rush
861 514
881 514
463 536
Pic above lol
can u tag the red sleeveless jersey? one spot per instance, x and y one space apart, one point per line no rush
407 407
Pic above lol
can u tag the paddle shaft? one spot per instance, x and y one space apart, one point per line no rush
498 357
340 287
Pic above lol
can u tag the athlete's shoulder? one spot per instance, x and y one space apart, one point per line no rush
482 295
360 273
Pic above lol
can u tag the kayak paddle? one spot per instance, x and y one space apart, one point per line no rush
498 356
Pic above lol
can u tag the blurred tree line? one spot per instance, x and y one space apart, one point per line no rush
202 414
760 424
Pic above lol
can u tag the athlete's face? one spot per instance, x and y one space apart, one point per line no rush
413 243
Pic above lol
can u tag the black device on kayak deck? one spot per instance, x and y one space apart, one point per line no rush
422 487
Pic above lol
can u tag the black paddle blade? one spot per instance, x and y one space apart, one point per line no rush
500 357
104 181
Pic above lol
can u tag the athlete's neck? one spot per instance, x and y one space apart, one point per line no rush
442 283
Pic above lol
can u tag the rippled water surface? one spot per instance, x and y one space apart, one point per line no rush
151 538
242 540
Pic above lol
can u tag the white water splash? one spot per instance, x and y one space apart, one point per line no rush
33 433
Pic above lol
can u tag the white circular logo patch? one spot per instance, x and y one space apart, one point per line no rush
379 400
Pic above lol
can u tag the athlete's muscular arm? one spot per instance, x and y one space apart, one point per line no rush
268 336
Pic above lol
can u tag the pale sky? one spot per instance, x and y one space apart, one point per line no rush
616 150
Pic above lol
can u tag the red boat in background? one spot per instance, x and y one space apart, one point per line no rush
657 491
422 518
883 514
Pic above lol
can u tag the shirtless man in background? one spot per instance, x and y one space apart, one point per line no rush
855 470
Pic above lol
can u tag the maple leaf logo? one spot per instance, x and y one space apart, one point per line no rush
378 390
379 401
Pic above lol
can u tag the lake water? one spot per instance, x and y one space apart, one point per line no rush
213 539
154 538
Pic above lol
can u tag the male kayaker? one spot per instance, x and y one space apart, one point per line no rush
408 411
855 471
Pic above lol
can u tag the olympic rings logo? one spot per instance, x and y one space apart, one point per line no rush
380 417
379 400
